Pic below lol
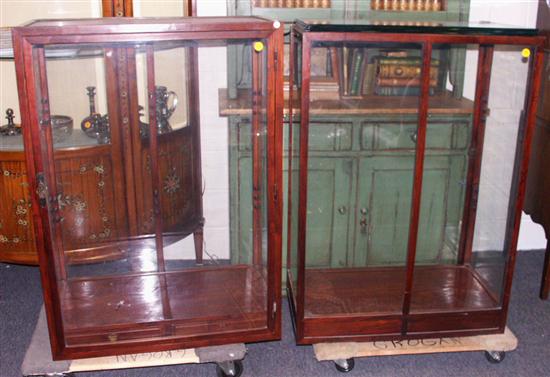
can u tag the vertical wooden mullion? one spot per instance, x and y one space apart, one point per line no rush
417 180
483 81
256 159
517 193
156 184
274 177
289 235
120 146
193 96
153 150
47 250
49 165
302 201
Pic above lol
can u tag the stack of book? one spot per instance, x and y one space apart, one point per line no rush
400 76
353 71
292 3
407 5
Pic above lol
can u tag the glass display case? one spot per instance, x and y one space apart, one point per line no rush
404 193
127 161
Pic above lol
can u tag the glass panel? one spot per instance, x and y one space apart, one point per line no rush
498 184
438 275
292 164
162 208
463 238
361 157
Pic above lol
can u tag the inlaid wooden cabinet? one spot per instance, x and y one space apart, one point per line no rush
131 220
403 209
16 226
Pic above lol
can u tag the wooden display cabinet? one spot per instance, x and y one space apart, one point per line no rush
429 179
115 203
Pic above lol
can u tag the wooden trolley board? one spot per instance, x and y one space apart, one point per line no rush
345 350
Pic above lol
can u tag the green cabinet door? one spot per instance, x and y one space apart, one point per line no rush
329 211
384 204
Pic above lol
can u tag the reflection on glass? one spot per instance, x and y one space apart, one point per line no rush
361 154
498 176
470 265
153 222
292 179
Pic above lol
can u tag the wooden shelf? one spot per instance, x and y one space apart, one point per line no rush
443 103
380 290
186 302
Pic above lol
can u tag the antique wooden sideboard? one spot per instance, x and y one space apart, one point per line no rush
537 202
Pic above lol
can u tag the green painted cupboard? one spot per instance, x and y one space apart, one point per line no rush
361 160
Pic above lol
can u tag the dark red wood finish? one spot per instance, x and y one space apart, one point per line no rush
302 196
483 81
447 300
170 331
537 204
417 181
523 153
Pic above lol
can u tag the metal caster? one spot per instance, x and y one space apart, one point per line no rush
232 368
495 357
344 365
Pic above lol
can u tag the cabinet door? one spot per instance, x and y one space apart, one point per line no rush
329 211
384 204
89 200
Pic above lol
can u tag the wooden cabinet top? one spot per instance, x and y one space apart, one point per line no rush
443 103
443 27
69 27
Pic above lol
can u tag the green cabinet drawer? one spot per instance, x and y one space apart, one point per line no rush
323 136
390 136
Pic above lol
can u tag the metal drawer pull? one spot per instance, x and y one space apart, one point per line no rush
342 210
414 137
363 224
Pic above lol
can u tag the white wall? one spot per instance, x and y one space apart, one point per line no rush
214 148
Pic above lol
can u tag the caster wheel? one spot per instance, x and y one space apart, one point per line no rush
345 365
495 357
236 371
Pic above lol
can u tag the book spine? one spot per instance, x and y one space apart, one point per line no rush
399 71
351 67
368 83
414 81
400 91
362 71
404 61
356 71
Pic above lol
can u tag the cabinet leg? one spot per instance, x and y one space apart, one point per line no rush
197 238
545 288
